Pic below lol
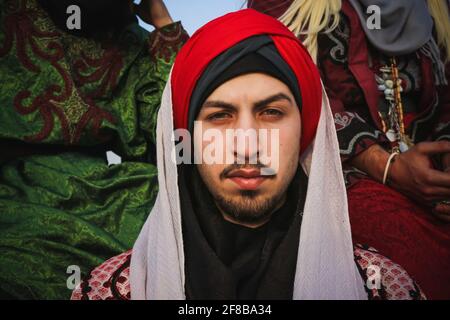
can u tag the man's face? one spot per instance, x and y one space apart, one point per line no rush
244 193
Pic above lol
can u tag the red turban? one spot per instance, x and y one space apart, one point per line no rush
225 32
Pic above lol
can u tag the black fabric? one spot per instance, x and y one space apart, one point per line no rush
255 54
228 261
99 18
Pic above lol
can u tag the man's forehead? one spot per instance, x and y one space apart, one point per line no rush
254 89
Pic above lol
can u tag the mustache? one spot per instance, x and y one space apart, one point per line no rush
233 167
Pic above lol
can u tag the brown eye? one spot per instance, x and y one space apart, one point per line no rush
219 116
272 113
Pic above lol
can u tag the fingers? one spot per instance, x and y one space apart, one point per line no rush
437 178
432 148
442 212
435 193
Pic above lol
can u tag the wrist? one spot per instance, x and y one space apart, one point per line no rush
380 161
389 164
160 15
162 22
372 161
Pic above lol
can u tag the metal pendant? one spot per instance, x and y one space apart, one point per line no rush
403 146
391 135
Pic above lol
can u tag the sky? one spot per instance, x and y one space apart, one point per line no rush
195 13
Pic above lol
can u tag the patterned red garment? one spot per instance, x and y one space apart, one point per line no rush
400 228
111 280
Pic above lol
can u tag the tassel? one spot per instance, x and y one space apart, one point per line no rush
431 50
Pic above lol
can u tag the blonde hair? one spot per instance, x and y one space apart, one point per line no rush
439 12
307 18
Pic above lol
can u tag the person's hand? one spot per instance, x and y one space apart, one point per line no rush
153 12
442 208
446 162
441 211
412 173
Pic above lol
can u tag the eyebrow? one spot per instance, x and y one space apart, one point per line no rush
257 105
219 104
277 97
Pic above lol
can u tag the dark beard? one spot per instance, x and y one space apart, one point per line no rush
248 209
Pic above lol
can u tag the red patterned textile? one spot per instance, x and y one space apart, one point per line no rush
274 8
404 231
110 280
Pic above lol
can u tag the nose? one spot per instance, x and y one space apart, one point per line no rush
246 140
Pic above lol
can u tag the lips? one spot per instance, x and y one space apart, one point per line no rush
247 179
245 173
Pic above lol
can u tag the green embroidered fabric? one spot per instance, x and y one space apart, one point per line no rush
65 101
